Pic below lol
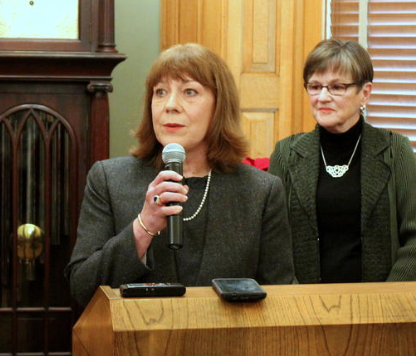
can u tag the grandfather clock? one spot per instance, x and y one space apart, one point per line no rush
56 59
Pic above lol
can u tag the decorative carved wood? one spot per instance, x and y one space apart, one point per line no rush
54 123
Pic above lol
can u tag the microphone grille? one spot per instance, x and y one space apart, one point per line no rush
173 152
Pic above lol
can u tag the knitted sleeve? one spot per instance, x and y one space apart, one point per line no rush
404 171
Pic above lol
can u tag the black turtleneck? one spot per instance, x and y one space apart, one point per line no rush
339 208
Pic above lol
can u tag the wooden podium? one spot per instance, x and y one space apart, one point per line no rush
294 320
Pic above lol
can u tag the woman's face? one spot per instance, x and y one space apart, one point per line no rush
181 113
337 114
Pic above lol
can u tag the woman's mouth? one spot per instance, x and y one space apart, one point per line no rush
325 110
173 126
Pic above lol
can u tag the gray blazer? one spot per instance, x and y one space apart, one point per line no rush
388 203
247 236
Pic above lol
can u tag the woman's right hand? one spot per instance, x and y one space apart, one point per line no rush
167 186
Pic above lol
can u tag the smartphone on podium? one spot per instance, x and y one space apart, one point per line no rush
152 290
239 289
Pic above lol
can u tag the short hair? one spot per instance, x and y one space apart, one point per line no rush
347 57
227 145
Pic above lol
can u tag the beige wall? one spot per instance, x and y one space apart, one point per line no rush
137 36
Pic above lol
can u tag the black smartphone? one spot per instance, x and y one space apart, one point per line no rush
152 290
239 289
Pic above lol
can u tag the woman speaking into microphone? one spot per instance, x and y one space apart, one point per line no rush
234 216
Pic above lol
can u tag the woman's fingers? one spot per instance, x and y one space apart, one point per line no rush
171 209
166 176
162 191
169 197
166 188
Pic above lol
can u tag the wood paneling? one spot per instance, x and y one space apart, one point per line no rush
265 43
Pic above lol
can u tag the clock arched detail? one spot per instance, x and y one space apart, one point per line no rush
54 124
38 155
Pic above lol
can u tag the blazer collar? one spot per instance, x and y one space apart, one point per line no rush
304 170
375 172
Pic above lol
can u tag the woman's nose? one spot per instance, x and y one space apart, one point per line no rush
173 102
324 94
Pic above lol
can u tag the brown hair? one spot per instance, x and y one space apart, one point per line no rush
336 55
226 143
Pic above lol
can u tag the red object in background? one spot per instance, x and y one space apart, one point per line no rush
260 163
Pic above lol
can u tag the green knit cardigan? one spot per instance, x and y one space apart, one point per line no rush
388 203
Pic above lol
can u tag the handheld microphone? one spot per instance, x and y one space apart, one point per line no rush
173 155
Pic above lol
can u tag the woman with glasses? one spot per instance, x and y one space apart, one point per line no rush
351 187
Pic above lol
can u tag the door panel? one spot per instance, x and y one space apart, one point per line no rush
265 43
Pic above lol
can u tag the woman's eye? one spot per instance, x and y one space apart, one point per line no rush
315 86
160 92
190 92
338 87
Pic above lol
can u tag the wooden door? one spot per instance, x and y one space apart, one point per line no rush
264 43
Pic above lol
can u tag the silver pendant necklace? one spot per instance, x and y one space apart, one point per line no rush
338 171
194 215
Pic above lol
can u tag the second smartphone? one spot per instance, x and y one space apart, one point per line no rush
239 289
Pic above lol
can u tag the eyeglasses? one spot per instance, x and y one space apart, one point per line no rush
334 89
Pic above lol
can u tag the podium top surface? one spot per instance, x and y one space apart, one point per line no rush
285 305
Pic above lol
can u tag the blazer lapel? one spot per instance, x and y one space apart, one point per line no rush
375 173
216 238
304 172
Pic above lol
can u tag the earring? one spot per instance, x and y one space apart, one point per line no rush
363 111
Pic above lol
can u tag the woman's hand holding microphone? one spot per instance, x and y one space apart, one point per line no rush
164 189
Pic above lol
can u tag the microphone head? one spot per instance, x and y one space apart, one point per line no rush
173 152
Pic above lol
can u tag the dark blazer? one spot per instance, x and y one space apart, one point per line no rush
248 234
388 203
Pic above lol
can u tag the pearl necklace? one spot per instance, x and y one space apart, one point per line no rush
338 171
194 215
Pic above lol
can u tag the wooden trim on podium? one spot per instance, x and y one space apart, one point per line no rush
337 319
